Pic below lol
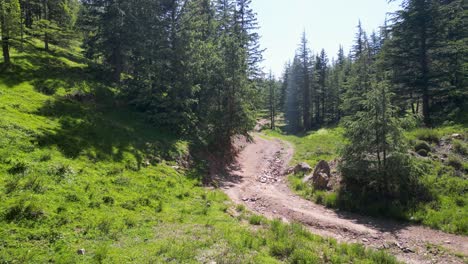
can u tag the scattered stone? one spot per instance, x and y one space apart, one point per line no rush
302 167
448 242
457 136
365 240
288 171
407 250
245 199
81 251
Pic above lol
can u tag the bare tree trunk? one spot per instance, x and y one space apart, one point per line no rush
6 51
5 39
46 17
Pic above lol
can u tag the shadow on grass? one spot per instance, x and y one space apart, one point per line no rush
105 131
48 71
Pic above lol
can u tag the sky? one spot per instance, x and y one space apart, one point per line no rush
327 23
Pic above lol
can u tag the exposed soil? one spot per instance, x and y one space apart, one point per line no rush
256 180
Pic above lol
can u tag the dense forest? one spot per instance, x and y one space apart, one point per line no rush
116 115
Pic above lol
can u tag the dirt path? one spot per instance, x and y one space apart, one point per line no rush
258 182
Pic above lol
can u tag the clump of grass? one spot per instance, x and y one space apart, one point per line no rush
18 167
255 220
427 134
240 208
455 162
24 209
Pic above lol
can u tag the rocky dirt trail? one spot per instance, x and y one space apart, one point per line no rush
257 181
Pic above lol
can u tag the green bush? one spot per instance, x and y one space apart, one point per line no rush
24 209
422 153
455 162
460 147
19 167
422 145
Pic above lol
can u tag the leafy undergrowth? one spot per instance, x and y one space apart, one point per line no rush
445 203
79 171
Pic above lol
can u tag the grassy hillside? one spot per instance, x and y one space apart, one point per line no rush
446 183
79 170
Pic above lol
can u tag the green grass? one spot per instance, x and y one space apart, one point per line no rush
92 174
323 144
445 204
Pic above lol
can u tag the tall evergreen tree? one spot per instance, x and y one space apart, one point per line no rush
303 56
9 25
416 34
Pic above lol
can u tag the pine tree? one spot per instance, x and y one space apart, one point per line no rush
321 71
416 34
358 83
9 25
293 101
374 157
272 99
303 56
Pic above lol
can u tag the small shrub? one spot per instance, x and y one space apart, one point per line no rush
159 207
101 253
12 185
255 220
45 157
19 167
24 209
105 225
122 181
422 145
455 162
108 200
35 184
129 205
319 198
460 147
331 200
240 208
303 256
422 153
62 171
282 248
72 198
130 222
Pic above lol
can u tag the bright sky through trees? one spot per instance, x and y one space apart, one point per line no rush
328 23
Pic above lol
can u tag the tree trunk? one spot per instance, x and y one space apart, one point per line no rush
22 28
306 94
6 51
424 81
5 39
272 103
46 17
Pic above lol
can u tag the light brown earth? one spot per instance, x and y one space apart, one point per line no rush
257 181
